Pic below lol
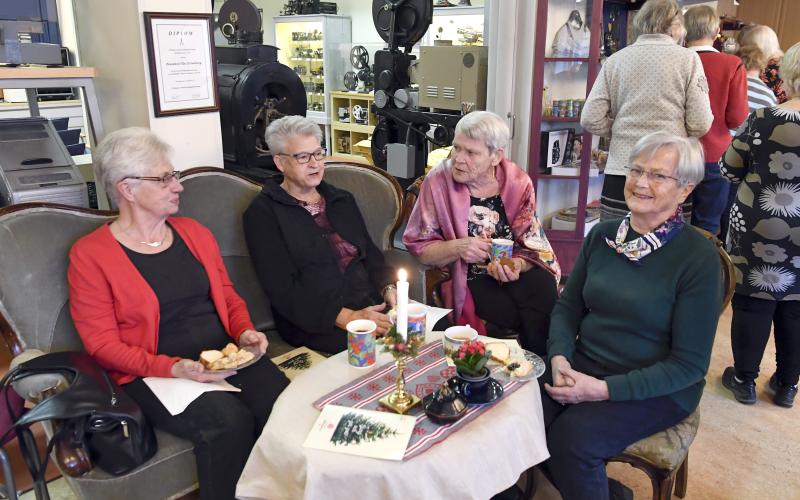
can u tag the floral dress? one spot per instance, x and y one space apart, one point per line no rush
764 233
771 77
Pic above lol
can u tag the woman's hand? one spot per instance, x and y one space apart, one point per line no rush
584 387
390 297
253 341
194 370
504 273
373 313
558 364
472 250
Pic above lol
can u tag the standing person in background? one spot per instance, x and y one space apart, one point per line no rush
727 91
652 85
765 39
764 245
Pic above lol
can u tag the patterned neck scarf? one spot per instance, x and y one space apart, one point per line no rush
639 248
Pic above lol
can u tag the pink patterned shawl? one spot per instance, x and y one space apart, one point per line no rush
440 214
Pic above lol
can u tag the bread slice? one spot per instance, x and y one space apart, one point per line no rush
500 351
208 358
230 349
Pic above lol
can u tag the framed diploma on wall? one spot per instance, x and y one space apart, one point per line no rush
183 72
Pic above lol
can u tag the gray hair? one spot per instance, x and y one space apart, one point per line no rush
762 37
701 22
656 17
487 127
281 131
790 70
127 152
691 167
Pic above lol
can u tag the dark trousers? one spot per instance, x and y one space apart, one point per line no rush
582 436
752 321
223 426
725 220
523 305
709 199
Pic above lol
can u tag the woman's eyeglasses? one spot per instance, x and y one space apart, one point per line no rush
164 179
306 157
653 177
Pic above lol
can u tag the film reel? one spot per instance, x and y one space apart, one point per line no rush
350 80
359 57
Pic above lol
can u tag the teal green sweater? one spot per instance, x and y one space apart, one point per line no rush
651 327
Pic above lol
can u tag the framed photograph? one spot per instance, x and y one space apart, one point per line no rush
556 148
183 71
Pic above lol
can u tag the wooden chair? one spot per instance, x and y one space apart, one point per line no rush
664 456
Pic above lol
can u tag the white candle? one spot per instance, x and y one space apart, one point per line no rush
402 304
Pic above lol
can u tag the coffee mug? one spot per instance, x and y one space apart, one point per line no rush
361 342
455 336
417 313
502 249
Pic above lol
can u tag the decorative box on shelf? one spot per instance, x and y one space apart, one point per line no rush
565 219
573 170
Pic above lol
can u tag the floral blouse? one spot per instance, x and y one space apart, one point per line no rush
771 77
764 232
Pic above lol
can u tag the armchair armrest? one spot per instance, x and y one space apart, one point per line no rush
426 281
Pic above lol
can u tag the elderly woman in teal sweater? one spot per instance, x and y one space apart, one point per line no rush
631 336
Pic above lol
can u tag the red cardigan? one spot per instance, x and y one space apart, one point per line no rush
116 312
727 91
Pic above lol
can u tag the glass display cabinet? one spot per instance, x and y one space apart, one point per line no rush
317 47
565 162
462 25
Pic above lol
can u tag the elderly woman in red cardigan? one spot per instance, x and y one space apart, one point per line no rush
149 292
464 203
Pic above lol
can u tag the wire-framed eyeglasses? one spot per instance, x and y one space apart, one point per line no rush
306 157
164 179
653 178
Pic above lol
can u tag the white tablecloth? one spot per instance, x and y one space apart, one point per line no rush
485 457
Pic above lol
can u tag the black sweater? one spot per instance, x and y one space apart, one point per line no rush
298 268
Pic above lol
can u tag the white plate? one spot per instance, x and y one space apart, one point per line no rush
500 372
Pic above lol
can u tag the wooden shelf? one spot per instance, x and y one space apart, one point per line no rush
566 59
551 176
45 72
559 119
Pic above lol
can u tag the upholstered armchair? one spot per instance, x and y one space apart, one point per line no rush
35 239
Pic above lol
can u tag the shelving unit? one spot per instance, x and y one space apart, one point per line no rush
346 134
568 78
317 47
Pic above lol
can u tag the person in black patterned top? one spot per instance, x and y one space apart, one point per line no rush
764 243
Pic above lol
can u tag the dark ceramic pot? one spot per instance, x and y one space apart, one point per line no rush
473 385
444 405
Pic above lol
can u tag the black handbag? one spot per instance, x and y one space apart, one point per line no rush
95 411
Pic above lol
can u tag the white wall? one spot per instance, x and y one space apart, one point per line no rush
110 36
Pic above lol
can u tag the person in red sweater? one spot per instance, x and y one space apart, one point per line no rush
149 292
727 91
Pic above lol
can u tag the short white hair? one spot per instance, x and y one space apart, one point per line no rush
790 70
485 126
657 17
282 130
127 152
701 22
689 152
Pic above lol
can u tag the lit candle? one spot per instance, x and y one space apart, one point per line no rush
402 304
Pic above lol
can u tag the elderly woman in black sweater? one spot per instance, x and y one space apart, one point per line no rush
310 246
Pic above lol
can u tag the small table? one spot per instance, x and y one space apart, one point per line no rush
485 457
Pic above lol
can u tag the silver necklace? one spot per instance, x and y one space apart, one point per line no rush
151 244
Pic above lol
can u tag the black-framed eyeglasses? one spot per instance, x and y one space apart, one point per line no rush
306 157
164 179
654 178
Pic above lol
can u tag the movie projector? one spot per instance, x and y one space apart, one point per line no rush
254 90
360 81
401 136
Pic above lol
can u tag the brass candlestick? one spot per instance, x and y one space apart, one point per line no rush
400 400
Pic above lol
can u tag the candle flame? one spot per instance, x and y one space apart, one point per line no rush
402 275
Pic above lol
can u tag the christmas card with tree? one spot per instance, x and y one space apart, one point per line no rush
297 361
365 433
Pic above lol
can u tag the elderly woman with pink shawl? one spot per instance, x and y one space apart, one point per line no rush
464 203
